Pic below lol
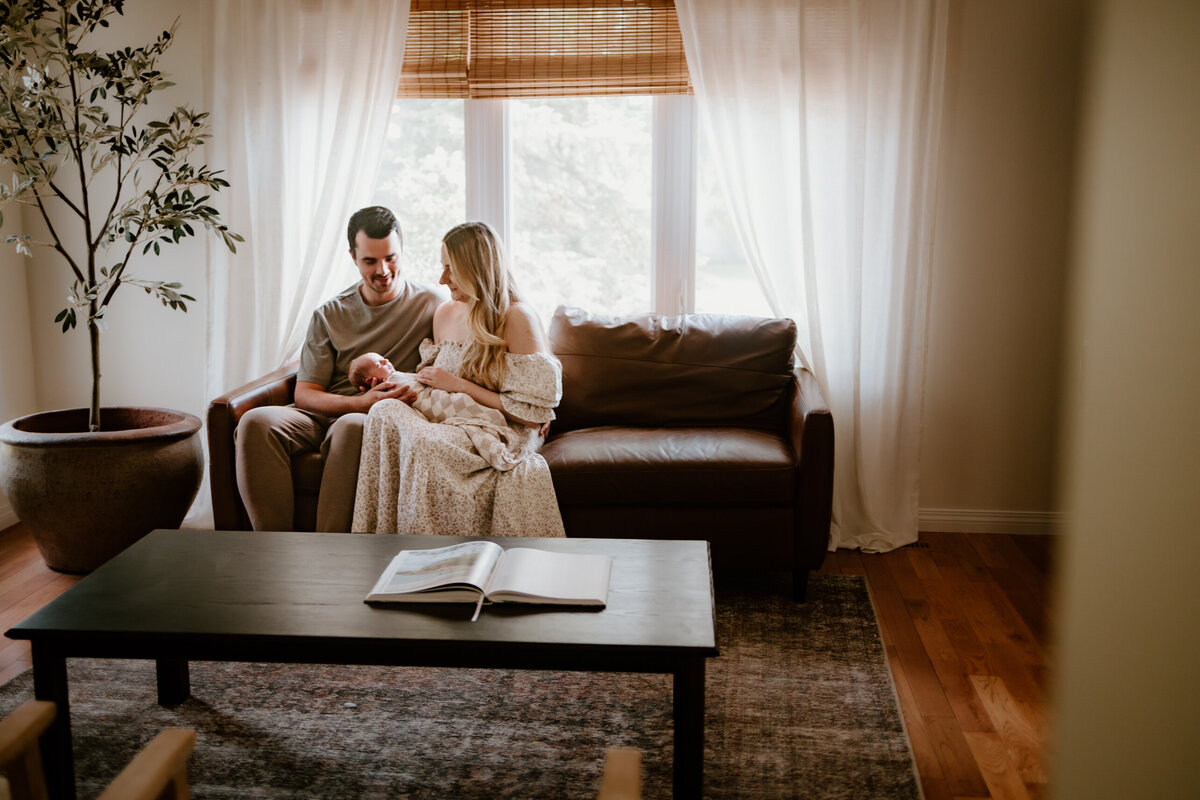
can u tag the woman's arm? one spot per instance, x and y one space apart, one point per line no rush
523 336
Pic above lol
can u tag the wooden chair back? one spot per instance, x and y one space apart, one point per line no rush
157 772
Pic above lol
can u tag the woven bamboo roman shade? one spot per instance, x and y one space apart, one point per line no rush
543 48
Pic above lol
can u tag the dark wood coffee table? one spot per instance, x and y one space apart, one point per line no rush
180 596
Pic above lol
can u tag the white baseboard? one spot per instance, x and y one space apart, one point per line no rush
967 520
8 517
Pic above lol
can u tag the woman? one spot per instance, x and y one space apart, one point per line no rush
468 475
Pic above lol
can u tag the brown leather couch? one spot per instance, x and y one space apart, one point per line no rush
670 427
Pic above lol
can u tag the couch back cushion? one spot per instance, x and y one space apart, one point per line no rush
660 371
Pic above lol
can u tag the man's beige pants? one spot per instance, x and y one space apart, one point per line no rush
268 437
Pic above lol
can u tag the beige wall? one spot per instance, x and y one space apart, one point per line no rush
999 271
18 394
1127 716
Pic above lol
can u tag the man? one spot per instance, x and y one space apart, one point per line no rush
382 313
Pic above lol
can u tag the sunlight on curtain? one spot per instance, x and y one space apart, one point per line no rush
302 93
301 97
825 116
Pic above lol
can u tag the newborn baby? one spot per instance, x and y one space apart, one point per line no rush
436 405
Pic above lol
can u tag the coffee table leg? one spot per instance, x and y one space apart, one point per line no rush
689 729
174 682
50 683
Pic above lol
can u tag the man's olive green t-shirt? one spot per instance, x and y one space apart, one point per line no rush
346 327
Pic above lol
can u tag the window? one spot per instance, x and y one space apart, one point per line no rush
580 202
576 210
598 192
422 179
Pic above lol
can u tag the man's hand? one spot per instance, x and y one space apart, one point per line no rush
388 391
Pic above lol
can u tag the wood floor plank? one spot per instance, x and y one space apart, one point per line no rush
1030 607
905 577
879 573
1003 782
24 582
924 752
968 558
922 678
990 553
44 594
924 565
970 650
964 775
14 669
1040 550
940 550
1008 664
851 562
956 683
936 789
994 618
1021 728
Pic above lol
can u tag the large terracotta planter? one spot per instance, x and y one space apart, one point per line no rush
87 496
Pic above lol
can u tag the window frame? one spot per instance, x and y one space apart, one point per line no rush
673 201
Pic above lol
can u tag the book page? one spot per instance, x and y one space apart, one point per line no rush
525 574
468 563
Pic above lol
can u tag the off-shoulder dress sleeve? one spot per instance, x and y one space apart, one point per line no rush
532 386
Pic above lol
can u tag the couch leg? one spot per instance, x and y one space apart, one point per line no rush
799 585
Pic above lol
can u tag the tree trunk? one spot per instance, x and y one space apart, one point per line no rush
94 341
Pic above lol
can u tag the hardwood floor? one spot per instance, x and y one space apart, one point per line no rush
26 584
964 620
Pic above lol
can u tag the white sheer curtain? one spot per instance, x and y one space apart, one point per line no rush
302 93
302 90
825 115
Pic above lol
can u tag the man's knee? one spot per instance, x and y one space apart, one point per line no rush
344 436
258 425
281 428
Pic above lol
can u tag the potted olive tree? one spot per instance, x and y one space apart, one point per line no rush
112 190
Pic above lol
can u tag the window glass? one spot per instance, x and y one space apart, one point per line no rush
579 179
725 282
423 179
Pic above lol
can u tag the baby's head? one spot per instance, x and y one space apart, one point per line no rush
369 369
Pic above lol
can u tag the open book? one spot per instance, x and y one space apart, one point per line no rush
473 572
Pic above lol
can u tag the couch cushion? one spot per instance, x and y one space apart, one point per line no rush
615 466
687 370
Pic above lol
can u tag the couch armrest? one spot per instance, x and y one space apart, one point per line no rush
275 389
810 428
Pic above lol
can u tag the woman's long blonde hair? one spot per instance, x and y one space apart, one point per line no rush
479 268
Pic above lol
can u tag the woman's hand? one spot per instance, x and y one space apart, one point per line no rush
439 378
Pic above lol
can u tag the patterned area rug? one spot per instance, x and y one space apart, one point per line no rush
800 704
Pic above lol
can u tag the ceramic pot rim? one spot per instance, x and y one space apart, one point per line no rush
61 428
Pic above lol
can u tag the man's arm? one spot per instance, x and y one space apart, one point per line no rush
313 397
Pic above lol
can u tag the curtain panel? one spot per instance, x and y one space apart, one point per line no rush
825 116
301 97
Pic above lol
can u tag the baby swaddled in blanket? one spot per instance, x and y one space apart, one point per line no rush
487 427
437 405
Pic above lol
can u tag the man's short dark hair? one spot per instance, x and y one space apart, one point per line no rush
376 222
